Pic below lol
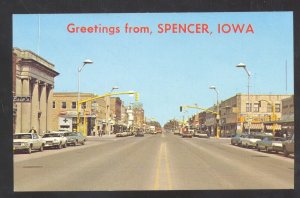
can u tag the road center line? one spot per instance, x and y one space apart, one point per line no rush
156 181
167 168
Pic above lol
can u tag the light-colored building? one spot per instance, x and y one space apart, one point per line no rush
287 118
64 107
261 110
33 84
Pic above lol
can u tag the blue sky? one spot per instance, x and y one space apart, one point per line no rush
168 70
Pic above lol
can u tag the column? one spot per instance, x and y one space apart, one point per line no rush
49 113
35 105
43 107
25 114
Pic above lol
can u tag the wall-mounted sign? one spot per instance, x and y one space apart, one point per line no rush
22 99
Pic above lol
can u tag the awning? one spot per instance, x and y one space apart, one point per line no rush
254 126
270 127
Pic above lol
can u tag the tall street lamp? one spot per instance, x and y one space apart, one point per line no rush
217 116
107 128
87 61
242 65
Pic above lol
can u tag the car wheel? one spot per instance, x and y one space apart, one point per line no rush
83 142
285 152
29 150
267 150
65 145
42 148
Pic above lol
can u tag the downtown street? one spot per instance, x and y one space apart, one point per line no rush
154 162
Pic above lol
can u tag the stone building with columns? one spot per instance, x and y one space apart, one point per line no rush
33 84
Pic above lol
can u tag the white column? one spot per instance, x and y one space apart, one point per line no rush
35 106
25 114
50 111
43 108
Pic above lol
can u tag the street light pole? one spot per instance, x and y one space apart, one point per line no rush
107 128
242 65
87 61
218 115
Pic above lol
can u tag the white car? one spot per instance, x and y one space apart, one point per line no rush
250 141
55 139
28 142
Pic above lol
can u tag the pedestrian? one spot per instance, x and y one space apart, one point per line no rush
32 130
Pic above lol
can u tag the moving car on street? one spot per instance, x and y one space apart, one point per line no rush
55 139
27 142
139 134
288 146
186 132
270 144
74 138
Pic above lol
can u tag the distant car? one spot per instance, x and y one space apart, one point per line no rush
27 142
236 140
176 132
251 141
55 139
270 143
242 138
186 132
288 146
139 134
75 138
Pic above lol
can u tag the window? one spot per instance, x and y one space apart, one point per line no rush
277 107
269 108
83 105
63 105
53 104
73 105
256 107
248 107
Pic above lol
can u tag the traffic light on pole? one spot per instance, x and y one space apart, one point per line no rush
180 108
136 96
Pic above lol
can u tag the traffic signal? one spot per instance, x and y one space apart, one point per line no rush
136 96
180 108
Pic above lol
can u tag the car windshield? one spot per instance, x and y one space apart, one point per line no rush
52 135
22 136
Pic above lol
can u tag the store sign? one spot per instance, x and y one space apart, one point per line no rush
22 99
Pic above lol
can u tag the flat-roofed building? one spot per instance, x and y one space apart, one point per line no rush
33 84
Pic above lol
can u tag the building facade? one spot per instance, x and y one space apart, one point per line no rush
261 112
33 84
64 117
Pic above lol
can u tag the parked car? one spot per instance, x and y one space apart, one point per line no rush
176 132
242 138
270 143
236 140
55 139
288 146
27 142
251 140
75 138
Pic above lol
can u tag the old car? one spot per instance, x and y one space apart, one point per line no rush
27 142
236 140
74 138
270 143
288 146
55 139
139 134
186 132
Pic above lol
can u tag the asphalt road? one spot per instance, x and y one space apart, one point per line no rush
153 162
